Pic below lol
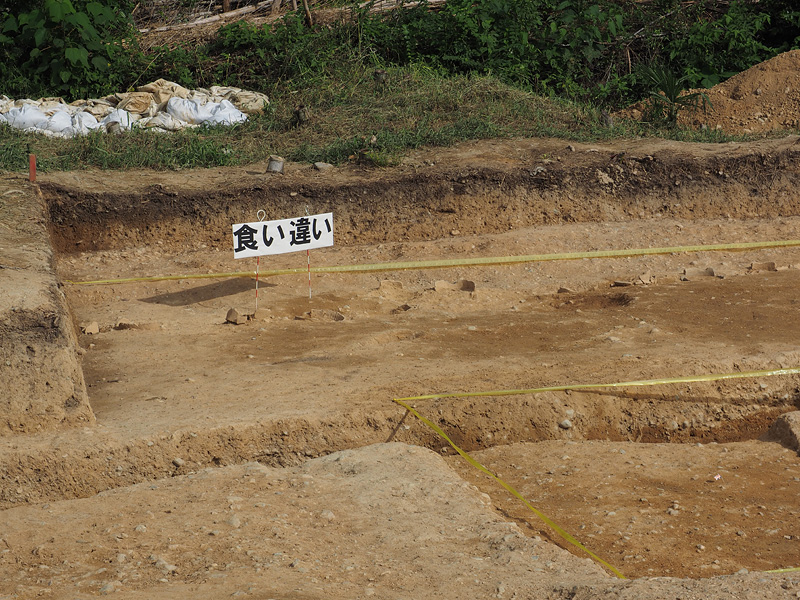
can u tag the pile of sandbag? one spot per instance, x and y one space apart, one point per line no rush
160 106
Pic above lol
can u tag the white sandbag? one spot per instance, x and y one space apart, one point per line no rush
122 117
27 116
59 122
84 122
142 103
51 106
163 90
188 110
249 102
164 122
225 113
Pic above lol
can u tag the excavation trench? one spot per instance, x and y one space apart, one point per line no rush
177 390
102 463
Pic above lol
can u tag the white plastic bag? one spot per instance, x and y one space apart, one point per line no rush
188 110
84 122
60 123
118 116
225 113
26 117
163 122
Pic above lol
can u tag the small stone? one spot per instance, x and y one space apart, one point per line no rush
763 266
327 515
322 166
260 315
91 328
140 528
178 462
234 521
235 317
673 512
165 566
565 424
110 587
603 178
692 274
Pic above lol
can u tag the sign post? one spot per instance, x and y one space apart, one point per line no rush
282 236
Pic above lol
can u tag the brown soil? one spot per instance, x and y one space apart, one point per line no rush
237 460
762 99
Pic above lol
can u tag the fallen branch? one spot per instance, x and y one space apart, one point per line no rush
221 17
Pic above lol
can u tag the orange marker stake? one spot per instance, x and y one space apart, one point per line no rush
32 167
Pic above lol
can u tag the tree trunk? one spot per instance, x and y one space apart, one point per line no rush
309 20
226 5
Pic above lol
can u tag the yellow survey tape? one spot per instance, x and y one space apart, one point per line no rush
464 262
645 382
559 530
640 383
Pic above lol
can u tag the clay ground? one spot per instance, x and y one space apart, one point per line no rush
238 460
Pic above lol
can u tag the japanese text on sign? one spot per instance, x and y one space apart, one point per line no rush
286 235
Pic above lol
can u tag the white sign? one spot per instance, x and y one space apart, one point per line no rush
286 235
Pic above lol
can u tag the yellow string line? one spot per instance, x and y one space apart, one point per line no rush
646 382
640 383
559 530
464 262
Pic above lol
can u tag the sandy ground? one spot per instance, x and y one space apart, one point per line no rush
252 460
268 460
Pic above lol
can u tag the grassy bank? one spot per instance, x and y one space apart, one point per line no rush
415 108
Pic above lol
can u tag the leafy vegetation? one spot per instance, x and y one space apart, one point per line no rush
668 96
57 48
469 69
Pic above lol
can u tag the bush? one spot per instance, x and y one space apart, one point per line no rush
56 48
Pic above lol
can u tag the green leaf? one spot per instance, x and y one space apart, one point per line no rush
100 63
56 10
65 75
10 24
39 36
77 55
82 19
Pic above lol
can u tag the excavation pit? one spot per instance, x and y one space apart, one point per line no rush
183 398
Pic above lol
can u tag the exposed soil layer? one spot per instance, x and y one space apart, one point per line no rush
184 400
481 188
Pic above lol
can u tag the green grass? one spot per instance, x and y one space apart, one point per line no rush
417 107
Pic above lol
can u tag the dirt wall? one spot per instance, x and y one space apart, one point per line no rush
40 373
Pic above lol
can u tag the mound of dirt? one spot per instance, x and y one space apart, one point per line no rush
764 98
